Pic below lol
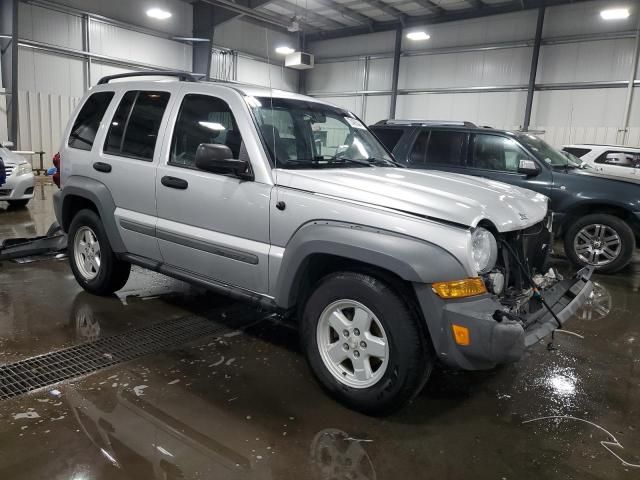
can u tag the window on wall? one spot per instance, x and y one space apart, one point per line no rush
203 119
134 128
84 130
446 147
493 152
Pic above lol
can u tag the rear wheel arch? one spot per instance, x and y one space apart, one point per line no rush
605 208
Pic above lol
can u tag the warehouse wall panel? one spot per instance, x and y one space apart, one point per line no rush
256 72
49 26
584 18
123 43
336 77
604 60
467 69
496 109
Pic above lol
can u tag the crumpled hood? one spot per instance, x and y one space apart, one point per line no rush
445 196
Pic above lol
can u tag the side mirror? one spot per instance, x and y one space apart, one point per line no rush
215 158
7 144
528 167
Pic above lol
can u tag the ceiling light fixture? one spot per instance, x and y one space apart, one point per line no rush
615 13
284 50
418 35
158 13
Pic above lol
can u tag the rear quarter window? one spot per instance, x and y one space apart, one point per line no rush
85 127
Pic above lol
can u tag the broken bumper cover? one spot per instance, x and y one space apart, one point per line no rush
493 342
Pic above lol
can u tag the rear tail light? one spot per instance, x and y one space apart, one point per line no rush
57 163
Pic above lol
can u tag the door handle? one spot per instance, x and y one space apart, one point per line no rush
174 182
102 167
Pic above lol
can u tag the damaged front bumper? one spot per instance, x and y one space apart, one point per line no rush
496 339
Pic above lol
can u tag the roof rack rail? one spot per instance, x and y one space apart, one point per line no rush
427 123
182 76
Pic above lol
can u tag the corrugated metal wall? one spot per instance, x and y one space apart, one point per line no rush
51 84
498 54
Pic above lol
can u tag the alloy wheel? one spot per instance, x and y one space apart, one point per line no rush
352 343
86 252
597 244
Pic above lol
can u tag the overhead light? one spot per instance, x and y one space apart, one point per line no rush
615 13
158 13
418 35
284 50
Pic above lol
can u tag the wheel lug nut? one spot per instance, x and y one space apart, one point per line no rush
363 344
356 332
356 353
346 346
345 333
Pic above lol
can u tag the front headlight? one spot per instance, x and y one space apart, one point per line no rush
22 169
484 250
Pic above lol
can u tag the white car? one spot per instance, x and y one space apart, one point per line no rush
20 181
614 160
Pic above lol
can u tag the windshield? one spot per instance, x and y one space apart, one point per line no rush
301 134
544 152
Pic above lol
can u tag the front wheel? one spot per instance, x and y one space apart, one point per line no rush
600 240
364 343
94 264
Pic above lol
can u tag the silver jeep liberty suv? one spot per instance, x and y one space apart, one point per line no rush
293 204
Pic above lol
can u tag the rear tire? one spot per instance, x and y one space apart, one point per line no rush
18 203
92 261
397 371
604 233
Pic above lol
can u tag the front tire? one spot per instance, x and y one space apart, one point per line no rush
600 240
364 343
92 261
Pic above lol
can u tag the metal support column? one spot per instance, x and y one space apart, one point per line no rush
534 69
86 46
302 74
632 77
203 27
365 87
396 71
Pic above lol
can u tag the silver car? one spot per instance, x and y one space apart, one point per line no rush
293 204
20 181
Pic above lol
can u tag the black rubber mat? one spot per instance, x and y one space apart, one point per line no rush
44 370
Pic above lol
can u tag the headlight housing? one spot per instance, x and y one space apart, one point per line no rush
22 169
484 250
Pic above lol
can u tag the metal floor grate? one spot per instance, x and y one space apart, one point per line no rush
44 370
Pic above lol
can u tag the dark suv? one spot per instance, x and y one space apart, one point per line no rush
598 218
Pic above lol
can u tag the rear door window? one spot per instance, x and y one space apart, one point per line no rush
388 136
620 159
446 147
134 128
84 130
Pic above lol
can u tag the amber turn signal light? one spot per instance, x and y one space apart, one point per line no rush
461 334
460 288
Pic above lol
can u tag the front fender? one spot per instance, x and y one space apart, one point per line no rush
409 258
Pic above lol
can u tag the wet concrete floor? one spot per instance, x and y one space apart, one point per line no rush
243 404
